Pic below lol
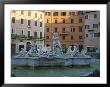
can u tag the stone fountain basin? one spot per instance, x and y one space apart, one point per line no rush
35 61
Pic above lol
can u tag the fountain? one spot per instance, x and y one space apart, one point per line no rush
71 53
47 56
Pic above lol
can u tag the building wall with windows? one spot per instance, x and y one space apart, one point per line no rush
92 28
68 25
27 26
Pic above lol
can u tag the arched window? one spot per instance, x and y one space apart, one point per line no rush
13 19
47 45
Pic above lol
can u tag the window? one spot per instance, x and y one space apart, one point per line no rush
95 15
55 14
28 33
55 20
63 37
47 45
47 37
47 20
80 29
22 12
86 35
80 37
22 32
72 29
40 24
80 20
36 15
40 34
90 30
63 31
21 40
63 14
80 12
29 13
35 34
87 26
86 17
72 21
13 11
41 16
91 49
72 13
47 13
21 21
55 29
12 31
35 23
63 20
91 35
95 25
47 29
71 37
29 22
97 34
13 19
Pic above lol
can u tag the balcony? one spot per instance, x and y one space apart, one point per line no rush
35 38
15 36
29 38
40 38
23 37
90 30
64 33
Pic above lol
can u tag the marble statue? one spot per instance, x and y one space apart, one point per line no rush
72 53
48 52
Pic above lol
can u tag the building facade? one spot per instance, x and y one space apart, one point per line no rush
27 27
92 29
68 24
80 28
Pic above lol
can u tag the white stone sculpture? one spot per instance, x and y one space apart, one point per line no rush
72 53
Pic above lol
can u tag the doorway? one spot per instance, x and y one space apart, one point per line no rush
28 46
20 47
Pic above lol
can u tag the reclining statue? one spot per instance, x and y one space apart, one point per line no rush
72 53
22 53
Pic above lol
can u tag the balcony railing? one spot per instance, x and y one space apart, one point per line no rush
35 38
90 30
64 33
22 37
40 38
15 36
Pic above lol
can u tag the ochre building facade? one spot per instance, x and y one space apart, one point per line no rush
68 24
